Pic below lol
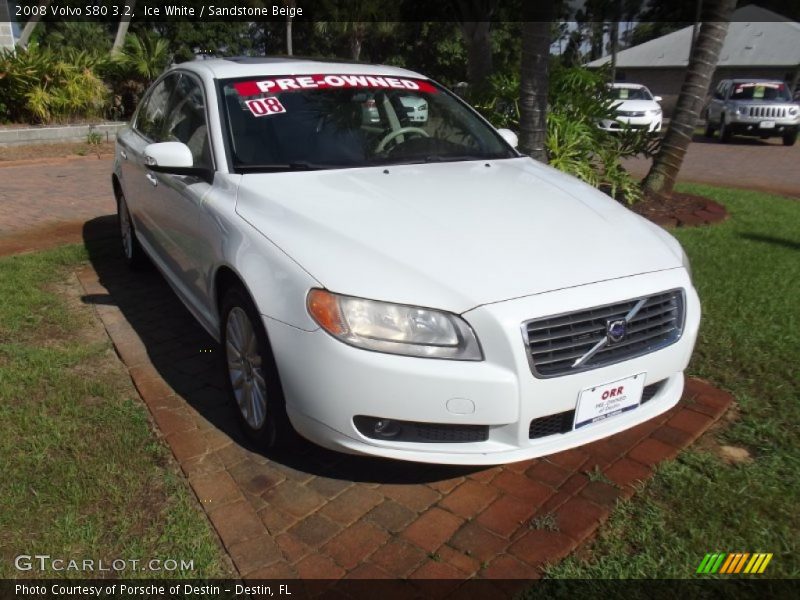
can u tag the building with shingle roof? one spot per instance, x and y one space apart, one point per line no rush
759 43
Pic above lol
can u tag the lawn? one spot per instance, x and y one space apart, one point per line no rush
747 272
83 474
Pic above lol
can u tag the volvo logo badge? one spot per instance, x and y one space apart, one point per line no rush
616 330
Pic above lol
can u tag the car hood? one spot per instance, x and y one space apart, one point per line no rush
637 105
450 235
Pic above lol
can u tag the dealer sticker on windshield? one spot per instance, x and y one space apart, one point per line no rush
293 83
262 107
603 401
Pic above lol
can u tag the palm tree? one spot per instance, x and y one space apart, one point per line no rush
122 29
144 56
289 39
702 63
534 78
25 36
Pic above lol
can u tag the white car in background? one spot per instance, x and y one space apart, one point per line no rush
416 108
635 107
413 291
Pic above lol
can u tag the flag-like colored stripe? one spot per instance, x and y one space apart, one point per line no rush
740 564
753 562
704 563
717 563
765 563
727 564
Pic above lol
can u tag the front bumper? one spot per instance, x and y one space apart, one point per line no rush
648 122
327 383
763 126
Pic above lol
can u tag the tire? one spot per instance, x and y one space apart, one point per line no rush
131 250
789 138
724 131
251 374
709 133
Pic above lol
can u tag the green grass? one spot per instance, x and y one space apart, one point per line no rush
83 475
747 273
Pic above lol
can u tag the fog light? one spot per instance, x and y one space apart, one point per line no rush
386 428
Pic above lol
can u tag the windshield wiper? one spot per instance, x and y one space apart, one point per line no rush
277 168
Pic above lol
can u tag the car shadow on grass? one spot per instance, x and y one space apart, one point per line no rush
188 359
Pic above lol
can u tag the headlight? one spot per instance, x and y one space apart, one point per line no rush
654 112
685 262
741 110
393 328
793 110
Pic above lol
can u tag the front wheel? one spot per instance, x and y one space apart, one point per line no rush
789 138
252 376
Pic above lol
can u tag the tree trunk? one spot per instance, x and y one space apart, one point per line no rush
25 36
478 40
702 63
534 78
122 29
289 41
355 45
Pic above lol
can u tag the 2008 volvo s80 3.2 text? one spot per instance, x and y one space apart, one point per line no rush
412 289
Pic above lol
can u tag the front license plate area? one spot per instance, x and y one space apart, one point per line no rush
608 400
767 124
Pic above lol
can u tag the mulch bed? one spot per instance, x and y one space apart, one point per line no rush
681 210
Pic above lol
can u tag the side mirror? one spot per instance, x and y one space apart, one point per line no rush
509 136
657 98
174 158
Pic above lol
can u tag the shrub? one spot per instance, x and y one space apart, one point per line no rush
577 99
142 59
40 86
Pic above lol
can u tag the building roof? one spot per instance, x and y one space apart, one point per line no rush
756 37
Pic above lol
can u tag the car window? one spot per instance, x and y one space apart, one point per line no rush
760 91
624 93
331 121
152 115
186 120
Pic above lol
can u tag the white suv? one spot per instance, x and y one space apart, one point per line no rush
415 291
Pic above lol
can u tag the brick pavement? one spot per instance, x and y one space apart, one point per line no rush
46 203
749 163
318 514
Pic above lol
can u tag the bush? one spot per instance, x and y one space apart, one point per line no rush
40 86
577 99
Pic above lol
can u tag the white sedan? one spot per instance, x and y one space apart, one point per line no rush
634 107
406 289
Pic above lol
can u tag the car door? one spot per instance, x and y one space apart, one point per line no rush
717 101
184 227
137 181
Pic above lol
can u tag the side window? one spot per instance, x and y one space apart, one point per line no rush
719 93
186 120
152 115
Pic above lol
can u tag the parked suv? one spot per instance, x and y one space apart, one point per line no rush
753 107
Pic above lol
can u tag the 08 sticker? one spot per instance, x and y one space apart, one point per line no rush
263 107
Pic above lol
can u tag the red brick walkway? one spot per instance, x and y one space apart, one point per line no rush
318 514
43 204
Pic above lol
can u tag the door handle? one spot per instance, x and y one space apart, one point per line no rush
152 178
123 155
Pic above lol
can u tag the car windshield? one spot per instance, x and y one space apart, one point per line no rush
624 93
760 91
338 121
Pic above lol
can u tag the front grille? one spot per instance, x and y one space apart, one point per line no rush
556 343
773 112
562 422
413 431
